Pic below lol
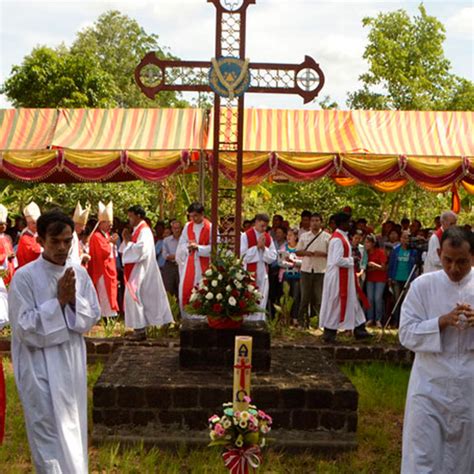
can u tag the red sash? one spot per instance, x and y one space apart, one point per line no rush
128 267
344 279
439 234
252 242
204 239
3 403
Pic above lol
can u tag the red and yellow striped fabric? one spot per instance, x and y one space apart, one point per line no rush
27 129
382 148
98 144
129 129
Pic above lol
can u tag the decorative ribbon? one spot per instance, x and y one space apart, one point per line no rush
240 461
402 164
230 87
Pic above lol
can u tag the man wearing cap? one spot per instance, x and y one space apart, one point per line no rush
28 248
80 218
7 255
102 267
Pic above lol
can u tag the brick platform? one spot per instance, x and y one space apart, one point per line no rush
143 395
202 347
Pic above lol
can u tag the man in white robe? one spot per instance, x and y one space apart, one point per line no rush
340 307
432 261
146 302
193 254
437 323
257 250
51 306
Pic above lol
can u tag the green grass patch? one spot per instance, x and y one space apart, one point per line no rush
382 390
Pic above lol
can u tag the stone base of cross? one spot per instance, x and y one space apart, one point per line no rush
229 76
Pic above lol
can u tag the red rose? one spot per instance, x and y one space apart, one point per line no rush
203 292
247 295
235 293
217 308
242 304
197 304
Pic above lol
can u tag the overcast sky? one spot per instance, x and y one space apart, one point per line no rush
278 30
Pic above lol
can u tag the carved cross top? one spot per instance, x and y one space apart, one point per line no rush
229 75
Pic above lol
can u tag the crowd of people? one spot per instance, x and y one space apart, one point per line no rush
64 274
384 262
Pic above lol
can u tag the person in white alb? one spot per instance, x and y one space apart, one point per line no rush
51 306
437 324
313 248
146 303
340 307
193 254
432 261
257 250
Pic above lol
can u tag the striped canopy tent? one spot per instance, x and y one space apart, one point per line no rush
69 145
385 149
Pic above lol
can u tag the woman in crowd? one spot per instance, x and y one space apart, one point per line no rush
290 270
402 260
375 281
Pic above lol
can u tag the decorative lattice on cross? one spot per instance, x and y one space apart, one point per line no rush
230 76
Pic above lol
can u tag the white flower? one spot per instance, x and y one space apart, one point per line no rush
237 284
258 295
220 277
208 272
240 276
219 296
214 283
205 288
250 287
232 301
228 288
209 296
194 296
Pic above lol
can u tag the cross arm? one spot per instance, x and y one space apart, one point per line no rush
154 75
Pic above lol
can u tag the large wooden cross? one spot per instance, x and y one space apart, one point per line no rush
229 75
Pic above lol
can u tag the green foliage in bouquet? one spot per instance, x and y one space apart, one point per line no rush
226 290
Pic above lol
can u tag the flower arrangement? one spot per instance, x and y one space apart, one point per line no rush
242 434
226 291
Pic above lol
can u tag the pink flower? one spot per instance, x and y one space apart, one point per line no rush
253 427
220 431
247 399
262 415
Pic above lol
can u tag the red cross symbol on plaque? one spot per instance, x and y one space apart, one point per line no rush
154 75
242 367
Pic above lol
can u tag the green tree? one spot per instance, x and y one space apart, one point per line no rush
118 43
58 78
407 66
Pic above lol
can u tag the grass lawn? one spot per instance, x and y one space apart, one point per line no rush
382 390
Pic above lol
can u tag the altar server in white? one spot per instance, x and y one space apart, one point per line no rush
257 250
437 324
146 302
193 254
51 306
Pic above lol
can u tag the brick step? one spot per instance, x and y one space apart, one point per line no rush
145 387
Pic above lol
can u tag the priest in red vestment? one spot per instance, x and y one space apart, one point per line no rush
28 248
7 265
102 265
